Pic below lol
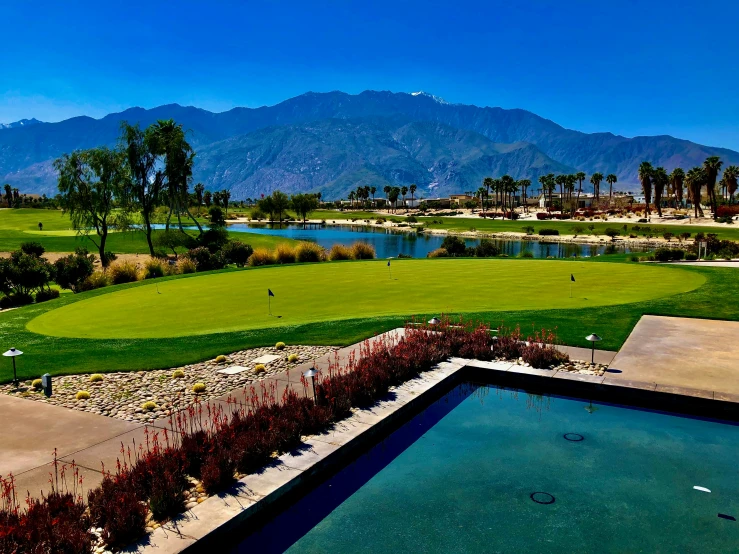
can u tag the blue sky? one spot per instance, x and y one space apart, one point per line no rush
630 67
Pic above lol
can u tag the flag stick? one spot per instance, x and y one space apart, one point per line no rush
269 303
570 289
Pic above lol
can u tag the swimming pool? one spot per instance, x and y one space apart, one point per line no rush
486 469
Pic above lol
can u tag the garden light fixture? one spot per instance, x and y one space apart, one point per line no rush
12 353
312 372
593 338
434 321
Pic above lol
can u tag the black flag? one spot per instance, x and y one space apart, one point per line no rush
572 277
270 293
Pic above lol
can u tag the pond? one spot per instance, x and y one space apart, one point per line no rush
389 243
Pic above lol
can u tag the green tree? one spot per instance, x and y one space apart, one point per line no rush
413 189
89 183
660 179
694 180
595 180
711 167
199 190
71 271
580 176
548 184
23 273
524 184
393 196
267 206
9 195
386 189
281 203
303 204
373 190
208 198
611 179
645 176
487 182
403 192
731 175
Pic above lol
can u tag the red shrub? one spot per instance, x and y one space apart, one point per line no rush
542 216
727 210
540 351
116 508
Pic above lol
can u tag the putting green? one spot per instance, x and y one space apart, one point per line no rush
235 301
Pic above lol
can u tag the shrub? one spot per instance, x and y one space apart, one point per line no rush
613 233
548 232
186 265
284 254
454 245
280 346
5 302
236 252
363 251
198 388
259 368
257 214
178 374
115 507
97 280
309 252
218 469
540 352
667 236
123 272
292 358
37 384
153 268
526 254
204 259
96 378
72 271
438 253
528 229
486 249
32 249
411 219
148 406
221 359
261 256
542 216
691 256
728 210
339 252
82 395
668 254
46 294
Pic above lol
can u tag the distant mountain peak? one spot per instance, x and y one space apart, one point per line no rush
436 99
21 123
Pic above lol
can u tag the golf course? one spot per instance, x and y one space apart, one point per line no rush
238 300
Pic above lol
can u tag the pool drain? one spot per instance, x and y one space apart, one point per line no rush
542 497
573 437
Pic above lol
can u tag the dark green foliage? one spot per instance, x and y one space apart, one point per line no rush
236 252
548 232
454 245
72 271
304 204
668 254
611 232
32 249
486 249
23 274
174 239
204 259
43 295
217 219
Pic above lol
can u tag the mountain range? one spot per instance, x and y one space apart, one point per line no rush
332 142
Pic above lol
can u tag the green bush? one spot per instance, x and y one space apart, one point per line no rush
363 251
236 252
97 280
528 229
691 256
204 259
548 232
339 252
32 249
46 294
411 219
148 406
486 249
153 268
454 245
526 254
309 252
72 271
123 272
668 254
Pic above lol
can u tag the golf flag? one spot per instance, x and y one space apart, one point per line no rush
572 277
270 293
388 263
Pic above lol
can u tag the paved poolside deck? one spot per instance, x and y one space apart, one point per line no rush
699 357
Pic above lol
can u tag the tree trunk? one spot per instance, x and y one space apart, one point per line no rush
147 222
101 247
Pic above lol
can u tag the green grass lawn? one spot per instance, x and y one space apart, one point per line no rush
19 226
237 300
494 291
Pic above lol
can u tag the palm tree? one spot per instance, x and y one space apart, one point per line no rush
611 179
480 193
595 179
645 176
9 195
413 189
506 187
677 180
487 182
386 189
660 180
561 180
570 181
694 180
373 190
199 190
712 166
548 184
403 192
524 184
352 196
512 190
731 175
580 176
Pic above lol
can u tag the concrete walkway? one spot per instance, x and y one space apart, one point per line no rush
698 357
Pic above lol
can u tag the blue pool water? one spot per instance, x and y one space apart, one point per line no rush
459 478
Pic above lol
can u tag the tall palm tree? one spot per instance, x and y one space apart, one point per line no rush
570 181
731 175
9 195
373 190
199 190
386 189
523 185
352 196
480 193
645 176
403 192
548 184
506 187
413 189
694 180
677 181
487 182
712 166
580 176
561 180
595 180
611 179
660 180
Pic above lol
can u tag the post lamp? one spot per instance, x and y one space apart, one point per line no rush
13 353
312 372
434 321
593 338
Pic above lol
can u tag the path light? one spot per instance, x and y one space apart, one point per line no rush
12 353
312 372
593 338
434 321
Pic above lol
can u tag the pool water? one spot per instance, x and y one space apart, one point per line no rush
459 477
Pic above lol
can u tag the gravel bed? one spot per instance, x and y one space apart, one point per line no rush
122 395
